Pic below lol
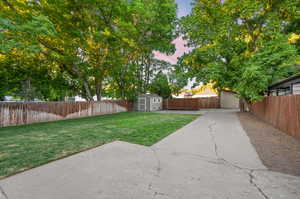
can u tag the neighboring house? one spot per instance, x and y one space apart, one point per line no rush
149 103
206 90
289 86
228 99
80 99
8 98
184 94
15 99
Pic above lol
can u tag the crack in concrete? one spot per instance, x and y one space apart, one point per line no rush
2 192
150 186
159 193
156 193
158 168
241 168
226 162
210 129
218 161
221 161
256 186
197 156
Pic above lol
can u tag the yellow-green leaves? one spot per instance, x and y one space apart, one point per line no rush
80 46
242 45
106 32
294 38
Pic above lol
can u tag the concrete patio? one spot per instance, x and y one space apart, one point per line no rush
211 158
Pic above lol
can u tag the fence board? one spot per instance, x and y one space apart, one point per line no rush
191 103
282 112
18 113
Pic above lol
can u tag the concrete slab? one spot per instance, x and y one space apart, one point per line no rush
211 158
277 185
104 172
200 111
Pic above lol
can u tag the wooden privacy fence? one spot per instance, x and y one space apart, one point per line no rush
282 112
17 113
191 103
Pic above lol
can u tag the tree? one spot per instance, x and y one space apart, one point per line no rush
29 78
89 44
177 80
242 47
160 86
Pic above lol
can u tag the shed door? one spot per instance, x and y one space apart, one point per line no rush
142 104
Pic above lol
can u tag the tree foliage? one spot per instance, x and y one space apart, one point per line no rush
161 86
82 47
242 46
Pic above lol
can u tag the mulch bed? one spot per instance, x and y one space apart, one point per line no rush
277 150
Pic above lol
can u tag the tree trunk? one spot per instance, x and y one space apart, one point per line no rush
122 87
89 96
86 86
98 85
139 76
244 105
29 91
148 64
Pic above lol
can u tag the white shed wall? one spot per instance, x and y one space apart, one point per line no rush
156 104
229 100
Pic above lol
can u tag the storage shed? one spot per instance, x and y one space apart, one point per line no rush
149 103
229 100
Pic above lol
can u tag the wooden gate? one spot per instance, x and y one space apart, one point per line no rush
191 103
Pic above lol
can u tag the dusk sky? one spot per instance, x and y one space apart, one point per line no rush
184 8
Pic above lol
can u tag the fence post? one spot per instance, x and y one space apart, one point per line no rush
167 104
242 106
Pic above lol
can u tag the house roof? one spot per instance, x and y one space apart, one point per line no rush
282 82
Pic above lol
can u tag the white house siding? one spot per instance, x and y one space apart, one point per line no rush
296 89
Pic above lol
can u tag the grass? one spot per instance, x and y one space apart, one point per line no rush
27 146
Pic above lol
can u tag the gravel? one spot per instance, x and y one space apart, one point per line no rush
277 150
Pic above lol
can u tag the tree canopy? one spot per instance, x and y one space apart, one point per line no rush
242 46
52 49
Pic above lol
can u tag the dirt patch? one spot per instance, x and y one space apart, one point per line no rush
277 150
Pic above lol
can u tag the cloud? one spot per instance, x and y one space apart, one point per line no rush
180 50
184 8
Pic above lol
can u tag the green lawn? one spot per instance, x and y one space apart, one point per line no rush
27 146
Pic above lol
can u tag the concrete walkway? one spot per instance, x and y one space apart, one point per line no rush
211 158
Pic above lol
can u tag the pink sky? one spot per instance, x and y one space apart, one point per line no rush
184 8
180 50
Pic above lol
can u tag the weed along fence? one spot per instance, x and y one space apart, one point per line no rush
191 103
18 113
282 112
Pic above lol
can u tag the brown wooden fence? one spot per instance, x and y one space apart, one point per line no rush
18 113
191 103
282 112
